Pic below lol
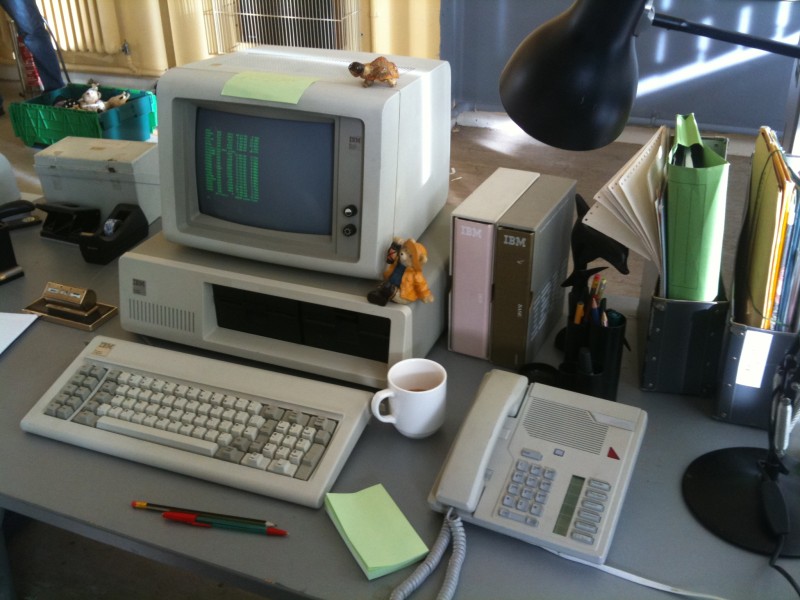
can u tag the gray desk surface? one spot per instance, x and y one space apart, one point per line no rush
90 493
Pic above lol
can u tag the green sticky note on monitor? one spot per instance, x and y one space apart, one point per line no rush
274 87
375 530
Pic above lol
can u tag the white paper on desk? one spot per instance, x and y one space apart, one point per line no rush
13 325
630 197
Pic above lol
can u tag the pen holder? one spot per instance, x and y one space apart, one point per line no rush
592 357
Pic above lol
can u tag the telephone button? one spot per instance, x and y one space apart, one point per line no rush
600 485
532 454
582 537
595 506
518 518
586 527
589 516
595 495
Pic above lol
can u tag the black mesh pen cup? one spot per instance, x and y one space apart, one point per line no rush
593 355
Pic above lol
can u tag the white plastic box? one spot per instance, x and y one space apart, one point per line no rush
101 173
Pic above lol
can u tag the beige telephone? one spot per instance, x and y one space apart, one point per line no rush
542 464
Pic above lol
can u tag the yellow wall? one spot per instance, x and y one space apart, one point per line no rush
405 27
163 33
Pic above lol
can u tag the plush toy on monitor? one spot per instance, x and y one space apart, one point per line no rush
403 281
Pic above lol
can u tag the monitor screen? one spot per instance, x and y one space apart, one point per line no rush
270 173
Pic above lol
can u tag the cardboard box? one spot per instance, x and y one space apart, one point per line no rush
101 174
681 347
38 122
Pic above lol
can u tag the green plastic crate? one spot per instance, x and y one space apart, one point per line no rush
38 123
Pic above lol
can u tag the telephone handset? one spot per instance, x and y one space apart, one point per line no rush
542 464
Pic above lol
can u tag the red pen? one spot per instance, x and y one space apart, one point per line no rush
200 520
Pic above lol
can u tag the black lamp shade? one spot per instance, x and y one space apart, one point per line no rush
571 83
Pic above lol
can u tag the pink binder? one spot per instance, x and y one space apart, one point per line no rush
470 310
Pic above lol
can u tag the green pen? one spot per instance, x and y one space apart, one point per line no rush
200 520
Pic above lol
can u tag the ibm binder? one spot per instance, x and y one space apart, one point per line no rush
472 238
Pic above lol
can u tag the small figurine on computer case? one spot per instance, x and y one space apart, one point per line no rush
403 280
381 69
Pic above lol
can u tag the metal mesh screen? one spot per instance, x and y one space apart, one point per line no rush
236 24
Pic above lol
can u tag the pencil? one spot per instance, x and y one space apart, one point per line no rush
595 284
162 509
578 313
601 289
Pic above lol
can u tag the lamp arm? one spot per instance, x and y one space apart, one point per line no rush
734 37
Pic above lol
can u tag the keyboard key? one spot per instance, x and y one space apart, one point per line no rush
230 454
164 438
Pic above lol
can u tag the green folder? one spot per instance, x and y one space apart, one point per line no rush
375 530
696 193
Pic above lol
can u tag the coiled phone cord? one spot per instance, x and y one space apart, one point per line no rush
452 530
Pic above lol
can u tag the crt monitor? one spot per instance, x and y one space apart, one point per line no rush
279 154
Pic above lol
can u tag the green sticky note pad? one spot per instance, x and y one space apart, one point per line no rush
274 87
375 530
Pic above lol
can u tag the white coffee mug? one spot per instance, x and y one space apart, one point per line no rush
415 398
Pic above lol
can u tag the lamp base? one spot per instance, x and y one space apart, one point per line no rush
722 489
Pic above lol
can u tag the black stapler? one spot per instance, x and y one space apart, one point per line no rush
125 227
65 222
17 213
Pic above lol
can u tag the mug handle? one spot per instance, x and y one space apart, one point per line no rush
376 406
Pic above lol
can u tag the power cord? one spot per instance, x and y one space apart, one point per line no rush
777 517
784 417
773 562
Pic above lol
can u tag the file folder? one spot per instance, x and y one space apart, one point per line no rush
770 215
694 207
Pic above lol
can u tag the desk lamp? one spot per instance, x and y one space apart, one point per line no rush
571 84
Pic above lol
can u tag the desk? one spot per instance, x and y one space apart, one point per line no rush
90 493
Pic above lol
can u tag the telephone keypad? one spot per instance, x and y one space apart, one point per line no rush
528 489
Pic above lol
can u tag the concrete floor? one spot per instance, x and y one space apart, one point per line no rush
48 563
